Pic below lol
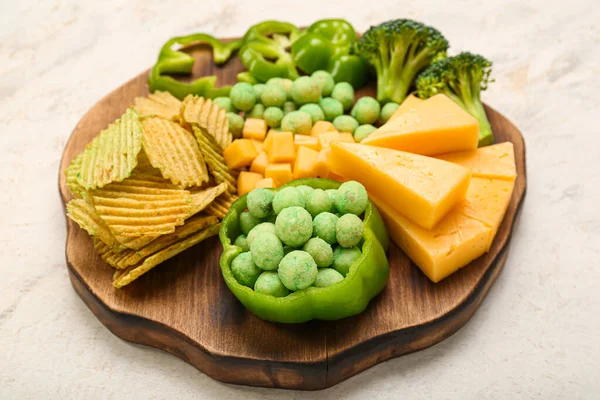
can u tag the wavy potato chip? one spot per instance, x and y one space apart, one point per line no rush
213 156
160 104
208 116
203 198
220 207
86 217
71 177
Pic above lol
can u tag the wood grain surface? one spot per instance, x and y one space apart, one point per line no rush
183 306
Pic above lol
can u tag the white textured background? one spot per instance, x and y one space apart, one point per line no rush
536 334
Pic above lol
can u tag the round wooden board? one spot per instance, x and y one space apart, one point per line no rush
184 307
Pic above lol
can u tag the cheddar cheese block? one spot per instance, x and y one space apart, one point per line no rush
436 126
247 182
306 160
422 188
410 102
496 161
240 153
281 147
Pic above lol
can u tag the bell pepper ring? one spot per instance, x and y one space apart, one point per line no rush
366 278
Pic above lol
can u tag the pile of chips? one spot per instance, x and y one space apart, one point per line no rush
153 183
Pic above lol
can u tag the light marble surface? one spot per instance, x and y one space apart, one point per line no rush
536 334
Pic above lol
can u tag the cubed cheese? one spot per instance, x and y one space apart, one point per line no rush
321 168
240 153
281 173
326 138
322 127
264 183
306 160
247 182
258 145
260 163
307 141
281 148
346 137
255 128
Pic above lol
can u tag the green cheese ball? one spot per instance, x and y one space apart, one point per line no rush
387 111
242 96
288 107
236 124
344 258
260 229
297 122
297 270
269 283
345 123
317 202
294 226
259 202
325 82
327 277
305 90
284 83
273 96
247 222
267 251
351 198
242 242
287 197
305 190
320 251
224 103
362 132
315 112
259 88
348 230
273 116
244 270
324 227
344 93
257 111
332 193
366 110
331 107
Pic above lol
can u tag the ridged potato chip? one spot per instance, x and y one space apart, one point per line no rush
160 104
208 116
84 214
203 198
71 177
220 207
213 156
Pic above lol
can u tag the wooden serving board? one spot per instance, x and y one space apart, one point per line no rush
184 307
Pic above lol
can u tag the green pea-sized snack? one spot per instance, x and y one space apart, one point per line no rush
294 226
259 88
260 229
363 131
242 242
331 107
387 111
351 198
284 83
288 107
344 93
297 122
242 96
267 251
327 277
345 123
315 112
273 96
260 202
269 283
325 82
236 124
257 111
320 251
305 190
305 90
324 227
224 103
273 116
288 197
297 270
247 222
366 110
344 258
348 230
317 202
244 270
332 193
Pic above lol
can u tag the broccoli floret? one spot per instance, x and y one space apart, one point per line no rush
399 50
462 78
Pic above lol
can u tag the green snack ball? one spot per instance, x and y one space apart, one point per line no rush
284 83
294 226
224 103
362 132
387 111
257 111
348 230
242 242
331 107
244 270
344 93
288 107
327 277
320 251
236 124
325 82
242 96
297 122
267 251
287 197
273 96
259 202
305 90
247 222
351 198
317 202
345 123
274 81
344 258
297 270
324 227
260 229
366 110
273 116
269 283
305 190
332 193
315 112
259 88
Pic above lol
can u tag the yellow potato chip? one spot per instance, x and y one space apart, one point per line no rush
220 207
201 199
215 161
86 217
173 150
208 116
160 104
112 155
71 176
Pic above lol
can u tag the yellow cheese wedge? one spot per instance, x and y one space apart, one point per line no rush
281 148
496 161
346 137
280 173
247 182
304 166
422 188
255 128
326 138
240 153
260 163
410 102
436 126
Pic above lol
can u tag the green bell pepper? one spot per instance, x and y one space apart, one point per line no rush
328 45
177 62
367 277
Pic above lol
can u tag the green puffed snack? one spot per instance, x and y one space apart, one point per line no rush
351 198
305 190
267 251
236 124
242 242
288 107
294 226
257 111
269 283
362 132
315 112
259 88
242 96
332 193
324 227
387 111
349 230
305 90
273 117
345 123
262 228
244 270
366 110
287 197
320 251
259 202
224 103
317 202
331 107
297 122
325 82
247 222
327 277
297 270
344 93
273 96
344 258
